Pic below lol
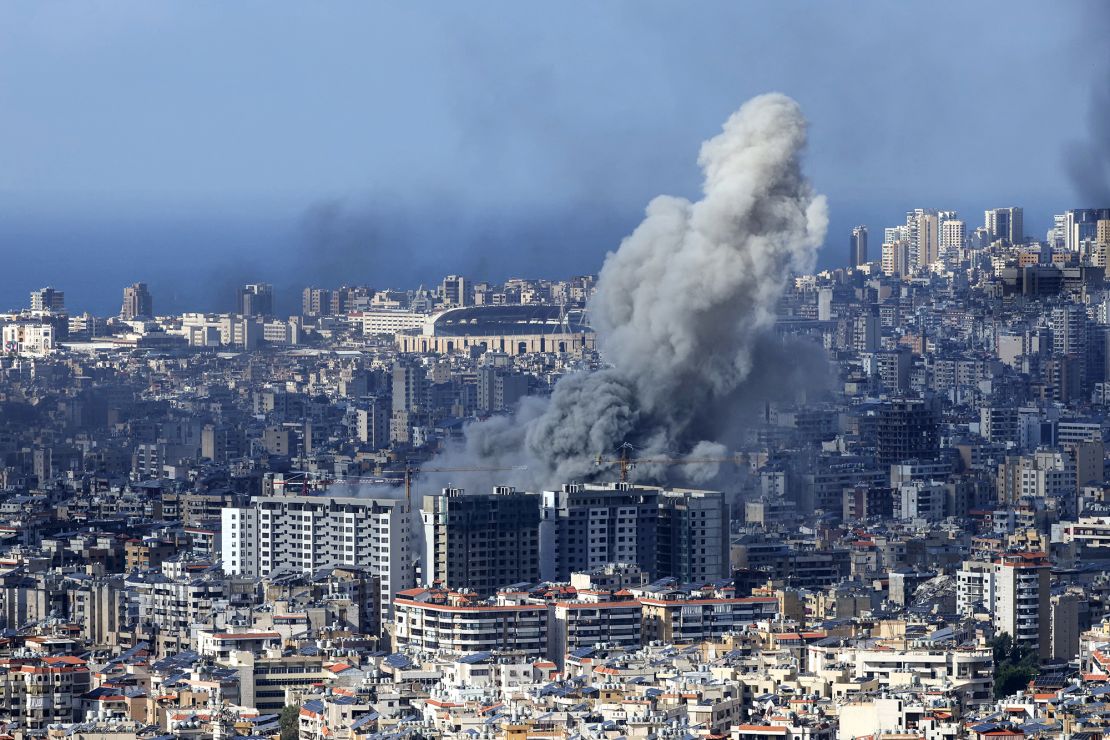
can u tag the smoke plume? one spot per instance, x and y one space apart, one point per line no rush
681 313
1088 161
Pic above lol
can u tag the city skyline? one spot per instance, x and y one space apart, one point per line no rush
554 372
480 175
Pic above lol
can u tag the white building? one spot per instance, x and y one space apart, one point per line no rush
920 500
1014 589
967 670
216 330
304 533
390 321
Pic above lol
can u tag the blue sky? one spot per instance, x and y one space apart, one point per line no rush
200 144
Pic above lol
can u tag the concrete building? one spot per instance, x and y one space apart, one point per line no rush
592 620
925 247
683 619
1065 619
692 536
1021 600
29 339
222 442
907 429
38 693
303 533
924 500
857 247
255 299
456 291
953 237
315 302
372 424
481 542
48 299
585 526
385 321
137 302
867 502
970 671
1004 224
432 620
499 390
896 258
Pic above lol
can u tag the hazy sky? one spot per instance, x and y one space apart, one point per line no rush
195 145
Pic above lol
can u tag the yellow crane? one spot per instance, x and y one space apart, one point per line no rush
626 462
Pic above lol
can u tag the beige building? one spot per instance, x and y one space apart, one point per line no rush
693 620
1102 243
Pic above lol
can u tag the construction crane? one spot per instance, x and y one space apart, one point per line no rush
409 472
626 462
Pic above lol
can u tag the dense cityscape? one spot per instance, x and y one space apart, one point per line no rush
245 524
554 371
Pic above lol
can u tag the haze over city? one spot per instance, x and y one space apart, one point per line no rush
201 145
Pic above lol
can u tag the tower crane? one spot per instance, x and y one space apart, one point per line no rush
410 471
626 462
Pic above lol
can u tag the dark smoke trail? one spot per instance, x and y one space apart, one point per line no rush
680 311
1088 162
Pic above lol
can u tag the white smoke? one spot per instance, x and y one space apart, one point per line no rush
681 311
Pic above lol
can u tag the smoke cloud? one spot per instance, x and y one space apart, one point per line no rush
681 313
1088 161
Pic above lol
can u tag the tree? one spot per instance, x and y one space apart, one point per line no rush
289 720
1015 665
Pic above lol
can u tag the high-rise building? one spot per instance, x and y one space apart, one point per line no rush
410 387
907 430
304 533
481 542
455 291
316 302
137 302
48 299
953 237
866 332
1067 618
692 536
222 442
1004 224
410 399
255 299
1021 600
896 257
1102 243
1080 225
373 423
676 533
1057 236
857 247
924 228
499 390
1069 330
585 526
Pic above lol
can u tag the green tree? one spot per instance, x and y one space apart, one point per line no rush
289 720
1014 665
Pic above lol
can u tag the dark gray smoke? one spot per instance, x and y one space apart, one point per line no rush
681 311
1088 161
